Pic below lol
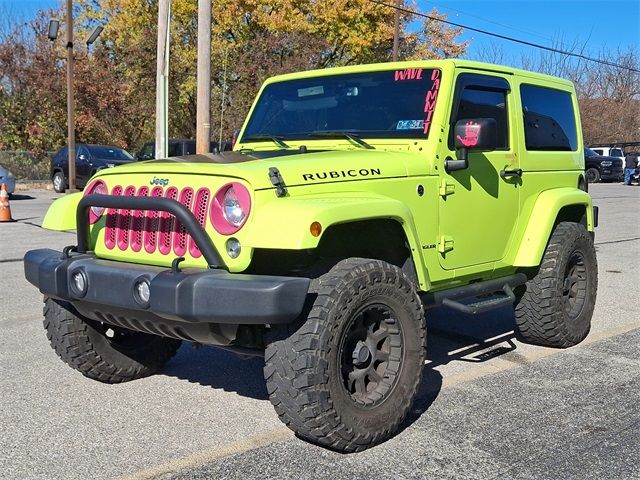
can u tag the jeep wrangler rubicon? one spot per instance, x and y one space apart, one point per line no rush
355 198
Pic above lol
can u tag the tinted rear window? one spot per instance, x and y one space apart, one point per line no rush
549 120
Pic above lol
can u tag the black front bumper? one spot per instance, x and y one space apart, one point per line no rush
192 296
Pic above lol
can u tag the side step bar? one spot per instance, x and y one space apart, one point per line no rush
501 290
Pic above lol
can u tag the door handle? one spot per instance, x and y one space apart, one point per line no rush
511 173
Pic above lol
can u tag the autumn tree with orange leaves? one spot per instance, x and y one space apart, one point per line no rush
252 40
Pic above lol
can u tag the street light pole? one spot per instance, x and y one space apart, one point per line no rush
162 80
71 140
203 102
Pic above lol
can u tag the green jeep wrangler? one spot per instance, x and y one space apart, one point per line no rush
355 198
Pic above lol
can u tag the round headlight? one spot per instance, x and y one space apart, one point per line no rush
231 208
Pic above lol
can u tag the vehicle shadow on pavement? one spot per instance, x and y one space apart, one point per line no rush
18 196
219 369
451 337
456 337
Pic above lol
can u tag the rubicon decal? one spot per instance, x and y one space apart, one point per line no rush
362 172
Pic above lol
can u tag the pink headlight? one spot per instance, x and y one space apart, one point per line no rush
230 208
100 188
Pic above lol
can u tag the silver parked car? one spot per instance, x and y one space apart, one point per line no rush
8 179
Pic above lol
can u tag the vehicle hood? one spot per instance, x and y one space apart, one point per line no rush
295 168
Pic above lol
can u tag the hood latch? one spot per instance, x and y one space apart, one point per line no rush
277 181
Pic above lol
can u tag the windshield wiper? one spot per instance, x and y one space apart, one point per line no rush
274 138
339 133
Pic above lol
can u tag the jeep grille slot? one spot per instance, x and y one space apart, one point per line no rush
200 208
112 222
153 230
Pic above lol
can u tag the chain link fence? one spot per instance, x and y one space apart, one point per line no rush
26 165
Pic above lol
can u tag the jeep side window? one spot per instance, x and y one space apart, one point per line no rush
549 120
477 101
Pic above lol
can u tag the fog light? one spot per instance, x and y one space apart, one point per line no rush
233 247
79 283
142 292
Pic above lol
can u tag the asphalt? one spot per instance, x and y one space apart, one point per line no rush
490 406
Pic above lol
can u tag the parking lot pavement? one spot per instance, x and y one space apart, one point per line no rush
490 406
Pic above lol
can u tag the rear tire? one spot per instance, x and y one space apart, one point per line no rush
555 307
593 175
101 352
346 375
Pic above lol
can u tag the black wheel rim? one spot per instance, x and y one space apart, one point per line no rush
592 176
371 352
574 287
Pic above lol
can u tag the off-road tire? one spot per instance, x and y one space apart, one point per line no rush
541 306
304 364
59 182
593 175
84 345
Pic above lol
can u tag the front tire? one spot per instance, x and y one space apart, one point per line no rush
101 352
347 374
555 307
59 182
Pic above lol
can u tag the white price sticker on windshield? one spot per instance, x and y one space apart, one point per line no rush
306 92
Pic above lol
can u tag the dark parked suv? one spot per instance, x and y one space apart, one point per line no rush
600 168
89 159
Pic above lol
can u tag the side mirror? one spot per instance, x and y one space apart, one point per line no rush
472 134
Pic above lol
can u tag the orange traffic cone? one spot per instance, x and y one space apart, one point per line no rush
5 209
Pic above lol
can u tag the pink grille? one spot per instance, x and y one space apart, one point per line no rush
124 220
166 224
180 233
110 233
151 224
137 224
153 230
200 207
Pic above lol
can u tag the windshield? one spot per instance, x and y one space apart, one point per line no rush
109 153
383 104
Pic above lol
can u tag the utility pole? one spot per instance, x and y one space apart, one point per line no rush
203 102
71 140
162 80
396 31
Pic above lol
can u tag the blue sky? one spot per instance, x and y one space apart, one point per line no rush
607 24
600 24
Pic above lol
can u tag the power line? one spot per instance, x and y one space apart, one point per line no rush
504 37
511 27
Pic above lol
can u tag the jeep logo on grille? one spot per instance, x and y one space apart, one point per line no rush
159 181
